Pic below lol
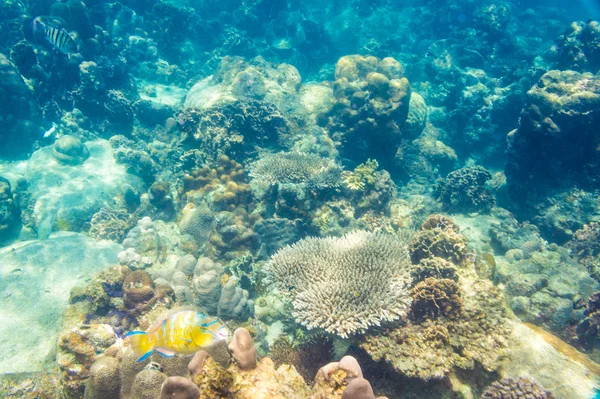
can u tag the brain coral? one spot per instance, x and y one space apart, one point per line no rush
344 285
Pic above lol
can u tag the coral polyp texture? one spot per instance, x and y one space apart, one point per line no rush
292 167
344 285
522 388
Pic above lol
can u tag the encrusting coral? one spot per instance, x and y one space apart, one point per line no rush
457 322
344 285
522 388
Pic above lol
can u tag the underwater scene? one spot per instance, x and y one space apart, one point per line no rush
277 199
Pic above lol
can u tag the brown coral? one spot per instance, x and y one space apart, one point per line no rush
434 267
226 183
434 297
138 289
431 349
439 237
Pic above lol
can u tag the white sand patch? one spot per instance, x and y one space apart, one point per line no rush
36 278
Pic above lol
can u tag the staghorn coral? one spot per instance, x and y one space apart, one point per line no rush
464 190
344 285
508 388
438 237
434 297
296 167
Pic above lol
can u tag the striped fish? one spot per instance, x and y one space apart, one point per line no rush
183 331
58 37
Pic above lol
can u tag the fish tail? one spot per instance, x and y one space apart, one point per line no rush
141 344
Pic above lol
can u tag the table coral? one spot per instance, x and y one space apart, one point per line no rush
344 285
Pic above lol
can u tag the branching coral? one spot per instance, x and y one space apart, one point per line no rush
344 285
363 176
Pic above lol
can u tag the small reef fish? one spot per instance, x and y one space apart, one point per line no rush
59 38
183 331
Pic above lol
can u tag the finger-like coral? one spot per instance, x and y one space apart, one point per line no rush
344 285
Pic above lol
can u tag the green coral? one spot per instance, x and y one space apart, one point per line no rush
363 176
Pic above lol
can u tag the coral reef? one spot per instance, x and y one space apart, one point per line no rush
296 168
233 129
558 114
578 47
372 98
431 349
9 212
544 285
70 150
438 237
465 190
344 285
436 297
585 248
509 388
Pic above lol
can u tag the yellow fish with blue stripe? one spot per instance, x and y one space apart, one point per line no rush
183 331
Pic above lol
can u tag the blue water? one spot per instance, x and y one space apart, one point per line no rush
414 184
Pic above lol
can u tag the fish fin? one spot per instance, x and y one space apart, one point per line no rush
156 326
141 345
165 352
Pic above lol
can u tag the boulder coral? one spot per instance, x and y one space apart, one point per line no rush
465 190
560 113
70 150
371 107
